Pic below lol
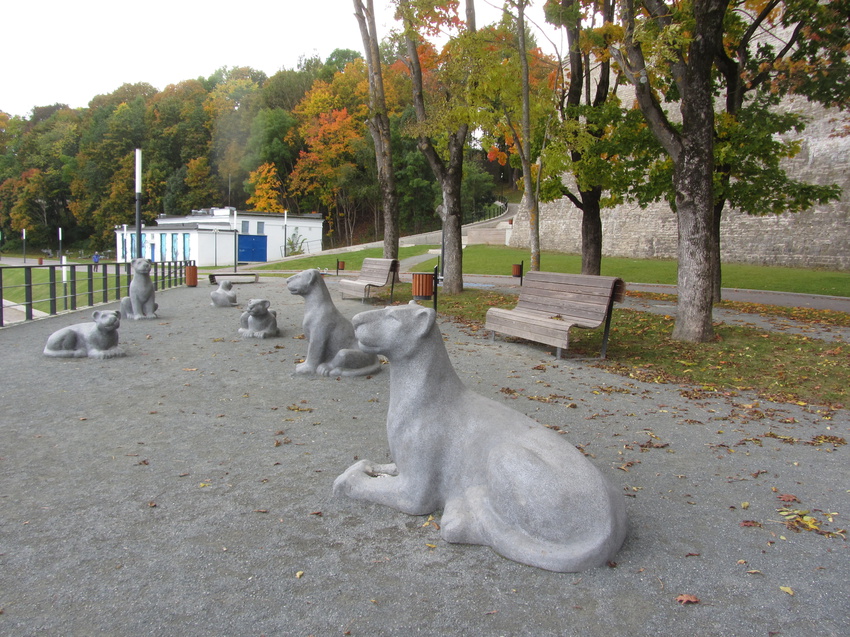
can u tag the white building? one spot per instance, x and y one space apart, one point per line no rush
207 237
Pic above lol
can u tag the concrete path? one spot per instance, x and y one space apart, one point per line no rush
185 489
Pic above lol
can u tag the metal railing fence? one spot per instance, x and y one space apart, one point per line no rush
50 289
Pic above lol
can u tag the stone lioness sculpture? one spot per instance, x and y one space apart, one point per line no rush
223 296
140 304
258 321
95 340
502 479
332 348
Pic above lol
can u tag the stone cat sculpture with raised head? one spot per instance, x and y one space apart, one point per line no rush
502 479
223 296
95 340
140 303
332 348
258 321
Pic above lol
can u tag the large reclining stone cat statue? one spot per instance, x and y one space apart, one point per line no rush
332 349
502 479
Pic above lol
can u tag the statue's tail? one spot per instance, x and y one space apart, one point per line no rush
472 520
374 368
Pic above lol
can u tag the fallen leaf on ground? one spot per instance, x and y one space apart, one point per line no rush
687 599
786 589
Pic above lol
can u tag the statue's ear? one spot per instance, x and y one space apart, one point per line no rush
117 313
265 304
423 319
95 315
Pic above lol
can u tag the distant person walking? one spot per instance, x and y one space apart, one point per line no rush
95 259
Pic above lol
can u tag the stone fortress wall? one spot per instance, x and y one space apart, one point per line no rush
816 238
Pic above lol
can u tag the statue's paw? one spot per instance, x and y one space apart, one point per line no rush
325 369
303 368
347 482
384 470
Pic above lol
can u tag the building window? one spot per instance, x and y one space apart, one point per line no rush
245 227
261 227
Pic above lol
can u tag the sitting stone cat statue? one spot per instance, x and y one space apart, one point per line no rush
501 479
332 348
95 340
258 321
223 296
140 304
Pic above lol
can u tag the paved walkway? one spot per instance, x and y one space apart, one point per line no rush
185 489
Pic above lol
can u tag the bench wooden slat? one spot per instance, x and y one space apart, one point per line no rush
550 303
373 273
234 275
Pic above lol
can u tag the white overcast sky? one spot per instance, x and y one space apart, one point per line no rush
69 52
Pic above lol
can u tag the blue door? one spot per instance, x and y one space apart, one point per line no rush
252 247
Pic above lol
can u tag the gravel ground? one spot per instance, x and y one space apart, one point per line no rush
185 489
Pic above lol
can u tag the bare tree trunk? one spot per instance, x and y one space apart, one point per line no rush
693 179
448 173
591 232
694 211
692 152
529 199
589 204
379 125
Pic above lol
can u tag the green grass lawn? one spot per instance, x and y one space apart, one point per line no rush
481 259
353 260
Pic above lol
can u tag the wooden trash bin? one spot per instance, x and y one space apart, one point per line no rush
423 286
192 276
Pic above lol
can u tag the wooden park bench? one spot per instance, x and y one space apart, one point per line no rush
235 277
550 303
374 273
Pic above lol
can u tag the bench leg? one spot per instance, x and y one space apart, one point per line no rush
607 328
558 353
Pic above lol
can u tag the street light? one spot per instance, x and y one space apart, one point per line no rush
139 253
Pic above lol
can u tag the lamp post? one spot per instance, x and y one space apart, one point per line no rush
24 233
139 254
285 213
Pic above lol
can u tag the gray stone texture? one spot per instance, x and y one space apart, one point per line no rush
258 321
140 303
223 295
501 479
98 339
818 237
332 347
